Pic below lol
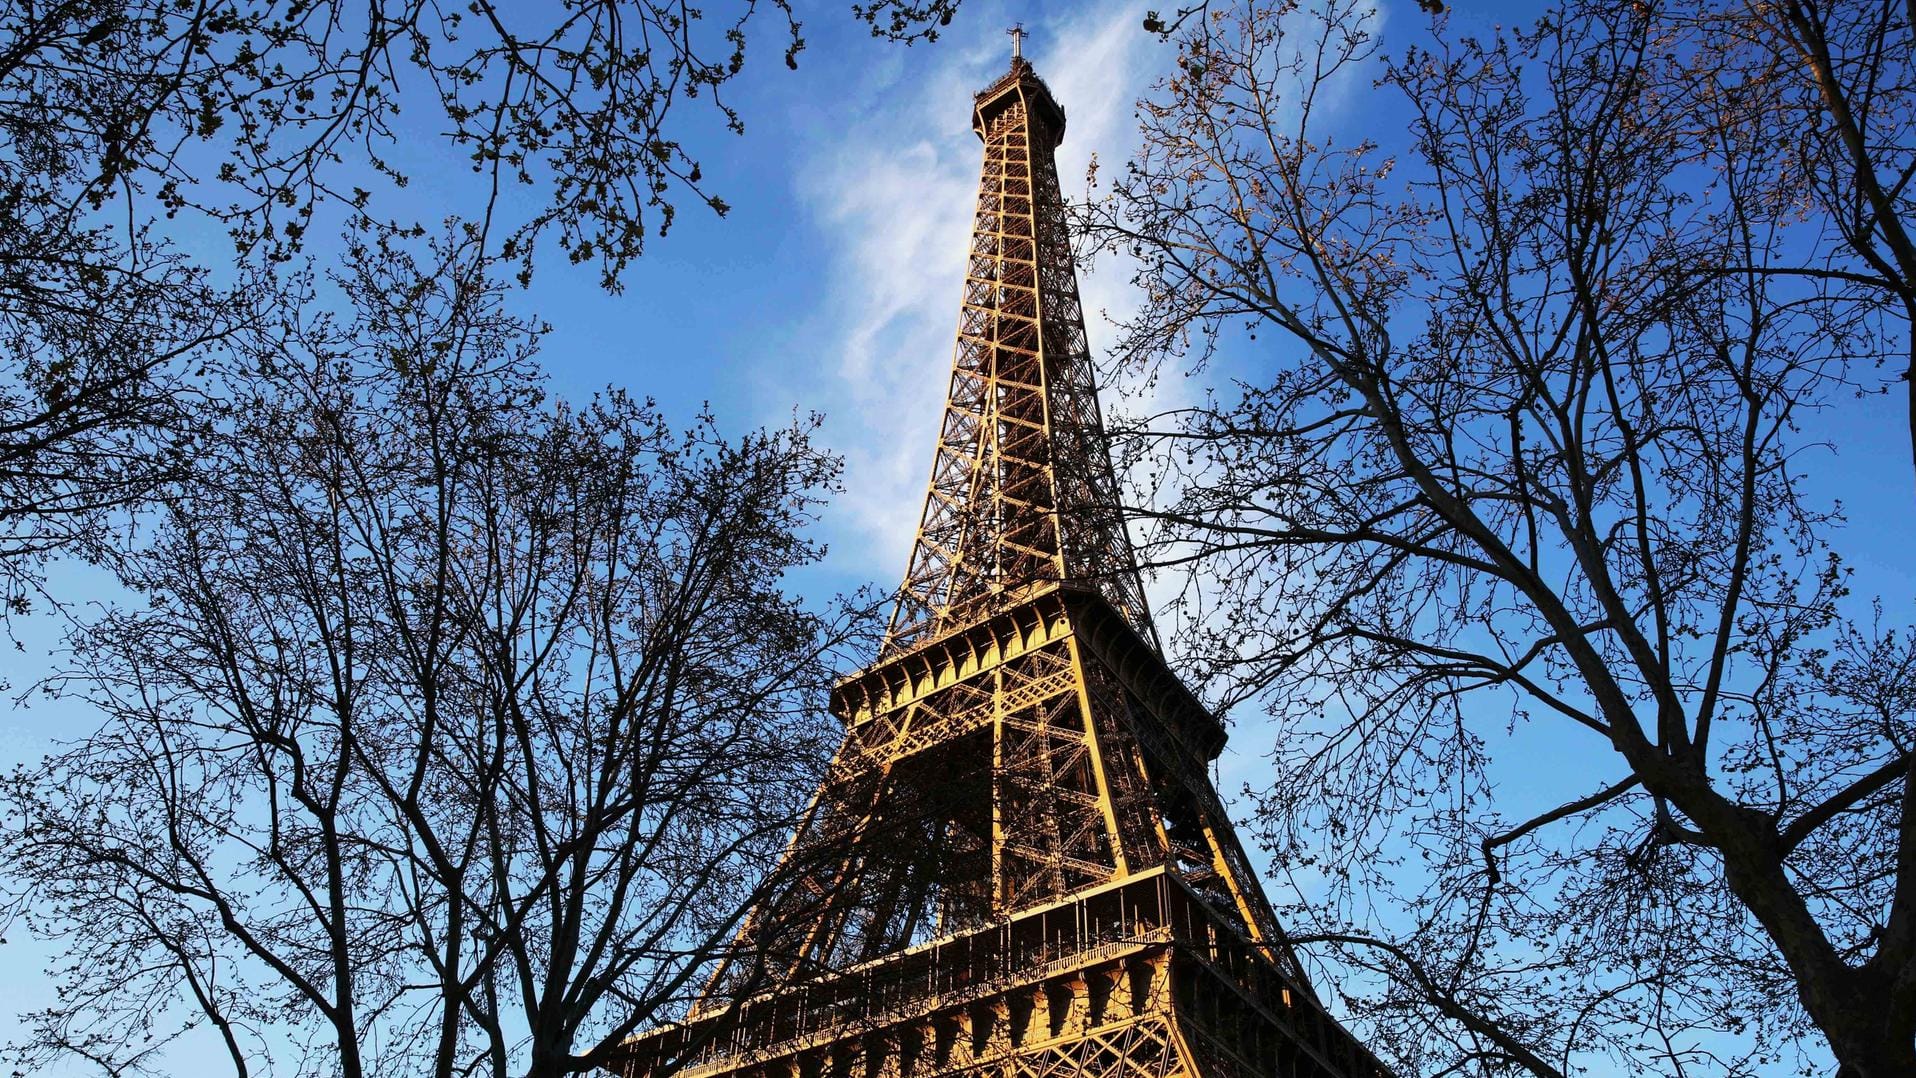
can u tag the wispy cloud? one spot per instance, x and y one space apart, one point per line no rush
893 194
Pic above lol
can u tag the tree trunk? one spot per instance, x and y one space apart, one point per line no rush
1884 1055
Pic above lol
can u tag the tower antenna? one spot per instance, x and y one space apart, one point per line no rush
1017 33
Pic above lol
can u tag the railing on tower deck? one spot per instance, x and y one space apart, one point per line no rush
1149 913
1031 618
1046 107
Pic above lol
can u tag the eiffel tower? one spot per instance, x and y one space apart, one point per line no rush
1018 865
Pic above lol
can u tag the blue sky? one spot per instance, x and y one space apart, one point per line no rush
833 286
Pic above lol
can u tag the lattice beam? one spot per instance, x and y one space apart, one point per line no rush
1022 489
1018 866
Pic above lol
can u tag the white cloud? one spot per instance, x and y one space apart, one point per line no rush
893 192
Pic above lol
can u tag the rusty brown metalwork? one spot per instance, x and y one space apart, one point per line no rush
1018 864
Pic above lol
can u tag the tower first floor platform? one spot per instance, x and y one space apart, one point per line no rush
1137 978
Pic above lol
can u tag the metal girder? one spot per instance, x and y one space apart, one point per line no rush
1022 489
1018 866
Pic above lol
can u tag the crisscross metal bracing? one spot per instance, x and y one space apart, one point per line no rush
1022 491
1018 866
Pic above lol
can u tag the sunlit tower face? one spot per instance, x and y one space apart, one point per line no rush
1018 864
1022 493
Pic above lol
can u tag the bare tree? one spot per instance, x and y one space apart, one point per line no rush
1514 459
461 726
269 119
259 114
1829 87
98 405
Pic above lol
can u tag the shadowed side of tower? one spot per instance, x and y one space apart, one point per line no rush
1017 864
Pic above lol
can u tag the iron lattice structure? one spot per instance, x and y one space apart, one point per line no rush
1018 865
1022 492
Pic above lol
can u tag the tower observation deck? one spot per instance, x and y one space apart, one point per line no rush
1017 865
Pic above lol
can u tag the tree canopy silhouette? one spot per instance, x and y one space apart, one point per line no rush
1516 444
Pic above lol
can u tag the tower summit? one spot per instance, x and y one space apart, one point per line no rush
1017 864
1022 495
